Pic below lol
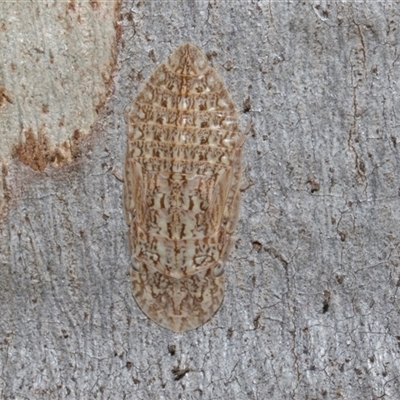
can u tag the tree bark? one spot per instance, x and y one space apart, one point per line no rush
311 308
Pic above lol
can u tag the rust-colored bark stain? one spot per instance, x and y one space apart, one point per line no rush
4 96
33 152
71 5
75 144
37 151
94 4
42 143
6 192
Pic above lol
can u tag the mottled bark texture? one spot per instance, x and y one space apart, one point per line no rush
311 307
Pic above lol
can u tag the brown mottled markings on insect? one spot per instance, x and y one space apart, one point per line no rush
181 191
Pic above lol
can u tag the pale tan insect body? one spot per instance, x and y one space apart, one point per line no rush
181 191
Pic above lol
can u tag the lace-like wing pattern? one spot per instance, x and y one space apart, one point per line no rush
181 190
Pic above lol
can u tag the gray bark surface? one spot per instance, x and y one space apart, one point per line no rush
311 308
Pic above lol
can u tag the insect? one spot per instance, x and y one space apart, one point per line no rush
181 190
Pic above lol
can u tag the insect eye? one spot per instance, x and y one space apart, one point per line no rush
135 264
218 270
